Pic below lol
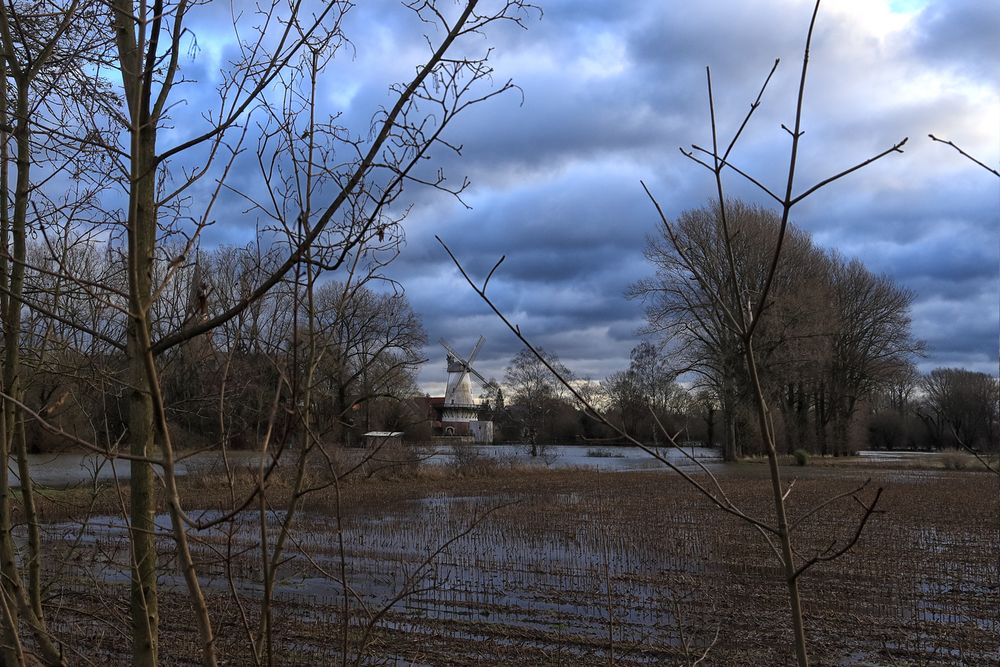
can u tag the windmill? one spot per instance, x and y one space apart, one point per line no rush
459 405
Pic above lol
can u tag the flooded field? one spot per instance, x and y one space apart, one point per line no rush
68 469
570 568
612 459
71 468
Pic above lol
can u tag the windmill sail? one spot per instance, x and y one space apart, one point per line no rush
459 403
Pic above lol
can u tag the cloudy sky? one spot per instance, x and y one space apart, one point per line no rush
609 90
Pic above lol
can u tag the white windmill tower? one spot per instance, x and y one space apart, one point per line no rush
460 411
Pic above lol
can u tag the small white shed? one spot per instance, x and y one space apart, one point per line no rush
373 439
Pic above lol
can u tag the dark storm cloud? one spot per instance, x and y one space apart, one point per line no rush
573 244
607 93
928 221
975 317
962 34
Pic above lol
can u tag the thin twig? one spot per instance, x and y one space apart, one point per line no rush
827 557
591 410
955 146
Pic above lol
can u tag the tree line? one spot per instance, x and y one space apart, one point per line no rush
831 333
841 382
221 383
836 353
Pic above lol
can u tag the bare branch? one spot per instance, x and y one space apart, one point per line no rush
897 148
963 153
592 411
869 510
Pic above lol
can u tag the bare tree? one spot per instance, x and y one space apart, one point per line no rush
371 345
534 393
158 312
833 333
871 341
681 305
743 312
645 393
44 47
960 406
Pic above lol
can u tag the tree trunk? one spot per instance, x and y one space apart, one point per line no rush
141 231
821 419
731 452
13 277
802 418
710 424
792 436
778 495
141 241
7 562
729 449
16 599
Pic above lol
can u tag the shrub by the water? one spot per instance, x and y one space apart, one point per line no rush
604 454
953 460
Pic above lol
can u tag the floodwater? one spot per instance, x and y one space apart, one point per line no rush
887 456
604 458
72 469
